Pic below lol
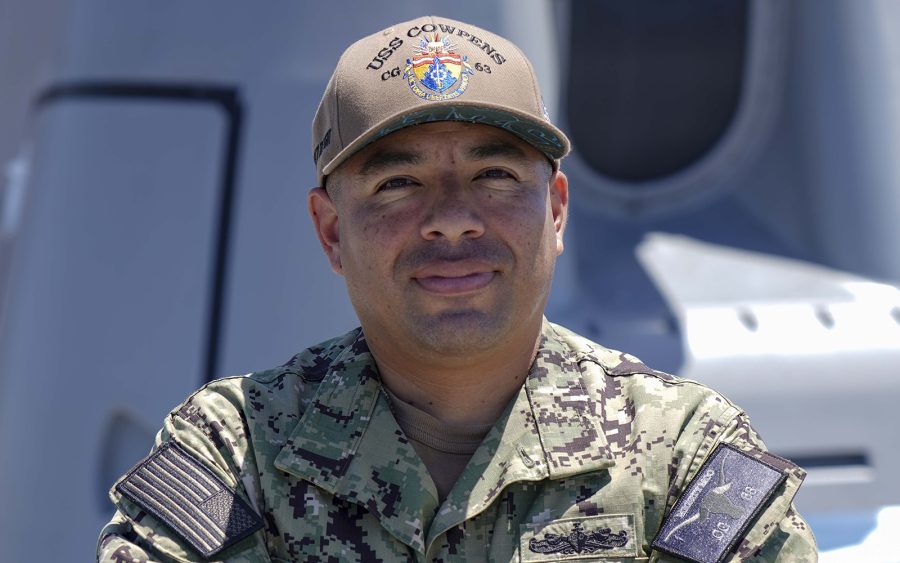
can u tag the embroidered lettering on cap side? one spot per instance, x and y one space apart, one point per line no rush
189 498
321 146
436 72
718 506
606 535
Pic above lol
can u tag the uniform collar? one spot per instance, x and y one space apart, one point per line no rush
567 415
349 444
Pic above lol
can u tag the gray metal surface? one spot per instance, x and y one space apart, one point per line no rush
809 352
108 314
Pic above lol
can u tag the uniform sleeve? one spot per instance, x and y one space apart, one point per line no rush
777 533
209 435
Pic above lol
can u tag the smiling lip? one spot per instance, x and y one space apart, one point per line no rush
451 285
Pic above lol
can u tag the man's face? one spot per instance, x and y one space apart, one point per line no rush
447 234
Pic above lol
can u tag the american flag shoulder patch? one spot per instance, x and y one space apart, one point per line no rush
181 492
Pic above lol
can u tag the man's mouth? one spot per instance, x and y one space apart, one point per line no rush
454 277
456 284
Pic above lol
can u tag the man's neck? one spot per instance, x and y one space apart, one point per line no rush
470 390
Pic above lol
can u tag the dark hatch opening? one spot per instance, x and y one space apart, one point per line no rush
653 84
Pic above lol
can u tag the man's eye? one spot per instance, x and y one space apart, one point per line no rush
495 173
396 183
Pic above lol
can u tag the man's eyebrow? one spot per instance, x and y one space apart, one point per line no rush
497 148
386 158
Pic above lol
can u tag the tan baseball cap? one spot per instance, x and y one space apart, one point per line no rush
424 70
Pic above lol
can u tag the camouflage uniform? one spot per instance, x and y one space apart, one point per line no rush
594 441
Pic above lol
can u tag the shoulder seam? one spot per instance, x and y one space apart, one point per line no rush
209 383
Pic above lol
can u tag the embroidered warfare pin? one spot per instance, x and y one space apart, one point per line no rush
718 506
605 535
178 490
436 72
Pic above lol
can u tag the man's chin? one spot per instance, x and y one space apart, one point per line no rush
460 332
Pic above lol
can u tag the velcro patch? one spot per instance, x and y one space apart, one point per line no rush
178 490
718 506
606 535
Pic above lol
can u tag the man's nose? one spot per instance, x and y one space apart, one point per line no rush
454 214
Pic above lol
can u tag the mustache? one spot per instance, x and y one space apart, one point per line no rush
489 252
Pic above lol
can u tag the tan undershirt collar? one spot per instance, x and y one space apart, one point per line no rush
444 448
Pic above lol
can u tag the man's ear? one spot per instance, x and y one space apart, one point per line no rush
559 206
325 218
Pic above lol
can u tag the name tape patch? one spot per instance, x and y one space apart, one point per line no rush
718 505
189 498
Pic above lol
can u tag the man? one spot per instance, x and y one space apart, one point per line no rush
457 424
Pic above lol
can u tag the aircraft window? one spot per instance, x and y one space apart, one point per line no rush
653 84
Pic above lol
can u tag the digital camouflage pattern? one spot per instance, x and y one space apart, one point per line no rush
584 463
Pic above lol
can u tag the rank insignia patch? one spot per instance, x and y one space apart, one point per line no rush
607 535
718 506
178 490
435 72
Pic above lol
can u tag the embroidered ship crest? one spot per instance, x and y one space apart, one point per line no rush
436 72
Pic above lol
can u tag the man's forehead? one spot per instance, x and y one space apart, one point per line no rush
417 144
